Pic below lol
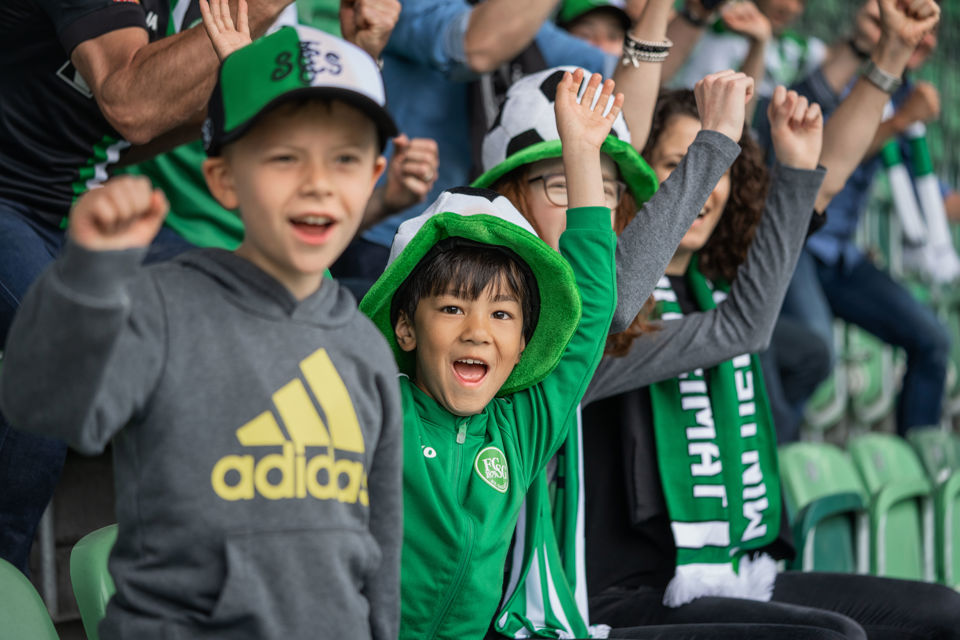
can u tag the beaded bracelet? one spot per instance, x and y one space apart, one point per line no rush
636 51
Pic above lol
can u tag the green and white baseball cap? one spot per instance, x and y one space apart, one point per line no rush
525 132
291 63
485 217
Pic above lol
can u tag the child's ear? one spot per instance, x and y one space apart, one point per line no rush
220 181
523 346
378 168
406 336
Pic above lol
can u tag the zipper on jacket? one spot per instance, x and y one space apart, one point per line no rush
467 542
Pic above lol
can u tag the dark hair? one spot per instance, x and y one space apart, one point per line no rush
727 247
465 269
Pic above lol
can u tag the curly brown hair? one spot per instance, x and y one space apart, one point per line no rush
727 247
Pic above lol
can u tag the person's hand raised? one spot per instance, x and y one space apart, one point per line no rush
583 125
922 105
908 20
721 100
126 212
796 127
411 172
368 23
226 36
747 20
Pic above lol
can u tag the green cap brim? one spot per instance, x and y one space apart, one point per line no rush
560 306
636 173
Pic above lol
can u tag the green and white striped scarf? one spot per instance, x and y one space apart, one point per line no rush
717 453
919 205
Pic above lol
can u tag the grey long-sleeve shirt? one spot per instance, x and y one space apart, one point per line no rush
256 441
742 323
645 247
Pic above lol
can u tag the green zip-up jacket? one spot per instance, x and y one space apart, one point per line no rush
465 478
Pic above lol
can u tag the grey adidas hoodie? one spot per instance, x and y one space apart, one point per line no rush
256 442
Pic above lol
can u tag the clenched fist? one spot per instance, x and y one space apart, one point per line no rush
126 212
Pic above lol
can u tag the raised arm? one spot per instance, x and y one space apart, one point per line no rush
500 29
850 130
685 29
744 321
588 245
747 20
85 334
640 84
649 241
147 88
368 23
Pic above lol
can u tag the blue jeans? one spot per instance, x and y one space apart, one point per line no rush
30 465
863 295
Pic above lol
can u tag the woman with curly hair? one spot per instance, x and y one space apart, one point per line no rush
546 582
683 502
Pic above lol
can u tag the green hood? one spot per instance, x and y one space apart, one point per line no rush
486 217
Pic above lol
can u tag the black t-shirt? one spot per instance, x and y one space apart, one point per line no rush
629 541
54 142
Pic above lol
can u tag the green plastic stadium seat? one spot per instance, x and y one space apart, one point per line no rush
828 504
92 584
901 508
828 405
22 613
951 405
939 452
871 376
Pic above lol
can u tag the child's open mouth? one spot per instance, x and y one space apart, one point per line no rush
470 370
313 229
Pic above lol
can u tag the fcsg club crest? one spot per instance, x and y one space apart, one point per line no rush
491 466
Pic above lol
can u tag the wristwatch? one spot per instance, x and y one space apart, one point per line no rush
882 80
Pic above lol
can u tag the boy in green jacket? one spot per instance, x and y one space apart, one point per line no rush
485 321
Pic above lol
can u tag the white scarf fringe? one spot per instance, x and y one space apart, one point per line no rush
692 581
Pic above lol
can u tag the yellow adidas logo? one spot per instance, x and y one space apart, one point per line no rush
323 476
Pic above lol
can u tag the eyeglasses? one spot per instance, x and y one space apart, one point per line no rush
555 188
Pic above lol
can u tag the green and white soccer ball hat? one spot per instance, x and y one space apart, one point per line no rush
525 131
486 217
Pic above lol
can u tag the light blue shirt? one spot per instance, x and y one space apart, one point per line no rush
426 76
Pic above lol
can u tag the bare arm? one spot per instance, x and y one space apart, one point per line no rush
498 30
685 35
640 85
146 88
850 131
747 20
922 105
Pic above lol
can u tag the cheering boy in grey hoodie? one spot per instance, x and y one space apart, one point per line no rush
254 412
